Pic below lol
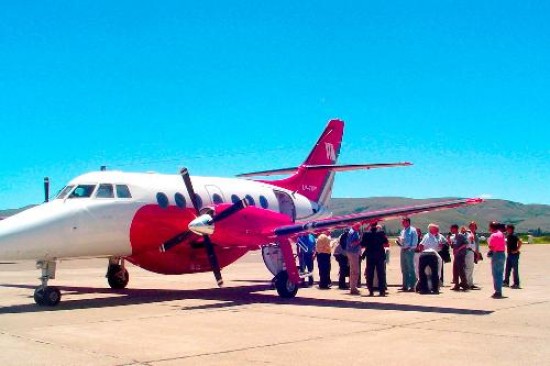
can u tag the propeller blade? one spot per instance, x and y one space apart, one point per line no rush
46 189
175 240
190 190
236 207
213 259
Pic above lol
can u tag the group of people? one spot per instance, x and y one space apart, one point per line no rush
422 257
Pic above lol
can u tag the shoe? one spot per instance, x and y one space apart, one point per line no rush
343 287
411 290
505 284
436 292
383 294
474 287
516 287
371 294
497 295
455 288
403 289
355 292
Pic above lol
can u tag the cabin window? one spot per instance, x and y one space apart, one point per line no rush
263 202
235 198
180 200
250 200
122 191
83 191
162 200
105 191
64 192
217 199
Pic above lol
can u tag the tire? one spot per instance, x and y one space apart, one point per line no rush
39 296
47 296
117 277
285 288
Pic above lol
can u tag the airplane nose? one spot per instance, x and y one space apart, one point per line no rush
27 234
202 225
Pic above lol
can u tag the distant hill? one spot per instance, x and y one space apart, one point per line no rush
525 217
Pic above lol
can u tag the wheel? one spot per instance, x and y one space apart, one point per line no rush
285 288
47 296
117 277
39 296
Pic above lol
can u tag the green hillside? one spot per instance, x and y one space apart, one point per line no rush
525 217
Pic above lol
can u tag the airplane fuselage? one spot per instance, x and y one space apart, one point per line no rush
118 214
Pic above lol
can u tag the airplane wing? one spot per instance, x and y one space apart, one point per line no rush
372 216
334 168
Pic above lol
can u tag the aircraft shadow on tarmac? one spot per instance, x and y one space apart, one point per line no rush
228 297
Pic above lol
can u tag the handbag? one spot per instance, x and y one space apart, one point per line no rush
445 254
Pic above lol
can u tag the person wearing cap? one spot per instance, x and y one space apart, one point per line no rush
497 246
353 251
408 240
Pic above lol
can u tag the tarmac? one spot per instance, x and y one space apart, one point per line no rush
185 320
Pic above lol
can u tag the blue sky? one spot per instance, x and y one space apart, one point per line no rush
460 88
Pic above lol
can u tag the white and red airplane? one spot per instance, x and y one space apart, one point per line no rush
169 225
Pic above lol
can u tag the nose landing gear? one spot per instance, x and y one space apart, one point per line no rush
45 295
117 274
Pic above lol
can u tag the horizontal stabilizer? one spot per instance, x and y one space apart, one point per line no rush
330 167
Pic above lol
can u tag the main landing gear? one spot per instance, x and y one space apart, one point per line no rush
117 274
278 259
45 295
284 286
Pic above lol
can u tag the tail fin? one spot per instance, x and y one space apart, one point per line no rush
316 184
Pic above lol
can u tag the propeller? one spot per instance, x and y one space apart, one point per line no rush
203 225
46 189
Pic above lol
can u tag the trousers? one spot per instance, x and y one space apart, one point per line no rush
512 263
497 268
376 263
323 262
407 269
469 267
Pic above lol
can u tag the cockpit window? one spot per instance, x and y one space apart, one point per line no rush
64 192
122 191
83 191
105 191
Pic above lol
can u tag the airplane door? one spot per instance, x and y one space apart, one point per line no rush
286 204
215 194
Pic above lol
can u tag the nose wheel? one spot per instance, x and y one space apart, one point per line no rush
45 295
117 274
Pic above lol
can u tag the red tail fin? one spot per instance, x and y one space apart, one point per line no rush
316 184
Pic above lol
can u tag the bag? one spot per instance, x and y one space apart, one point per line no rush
478 257
445 254
344 240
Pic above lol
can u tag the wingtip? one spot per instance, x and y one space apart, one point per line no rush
476 200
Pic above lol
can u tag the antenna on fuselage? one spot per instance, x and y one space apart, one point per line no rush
46 189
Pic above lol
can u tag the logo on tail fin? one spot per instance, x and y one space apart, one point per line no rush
331 152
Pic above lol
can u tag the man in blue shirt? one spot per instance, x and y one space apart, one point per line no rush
408 240
353 251
306 253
